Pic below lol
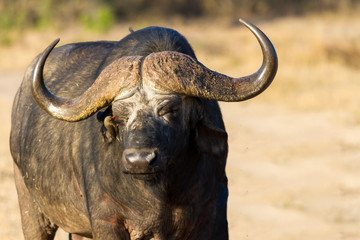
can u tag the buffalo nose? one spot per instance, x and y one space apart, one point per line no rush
140 162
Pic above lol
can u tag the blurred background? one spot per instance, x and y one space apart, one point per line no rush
294 158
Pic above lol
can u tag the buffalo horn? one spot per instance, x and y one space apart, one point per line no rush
179 73
112 82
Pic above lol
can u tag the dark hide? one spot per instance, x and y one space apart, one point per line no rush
81 177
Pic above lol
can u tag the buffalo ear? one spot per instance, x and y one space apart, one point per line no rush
211 140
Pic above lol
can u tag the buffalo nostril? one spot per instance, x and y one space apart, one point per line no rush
140 162
140 156
150 157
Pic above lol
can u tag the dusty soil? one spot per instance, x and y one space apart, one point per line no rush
293 165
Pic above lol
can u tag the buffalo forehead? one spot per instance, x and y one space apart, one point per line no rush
142 98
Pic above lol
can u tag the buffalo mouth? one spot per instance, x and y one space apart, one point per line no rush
148 176
149 173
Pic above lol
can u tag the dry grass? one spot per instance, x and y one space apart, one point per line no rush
293 165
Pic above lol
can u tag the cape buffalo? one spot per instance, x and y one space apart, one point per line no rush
125 140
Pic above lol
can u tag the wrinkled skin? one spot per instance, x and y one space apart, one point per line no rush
81 177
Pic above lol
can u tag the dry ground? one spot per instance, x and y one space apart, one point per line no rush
294 160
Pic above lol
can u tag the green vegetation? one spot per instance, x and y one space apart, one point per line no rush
102 20
19 15
101 15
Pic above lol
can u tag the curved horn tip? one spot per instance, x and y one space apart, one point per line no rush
43 56
54 43
247 23
46 52
243 21
56 40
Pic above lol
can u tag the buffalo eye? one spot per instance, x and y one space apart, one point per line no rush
169 113
169 109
